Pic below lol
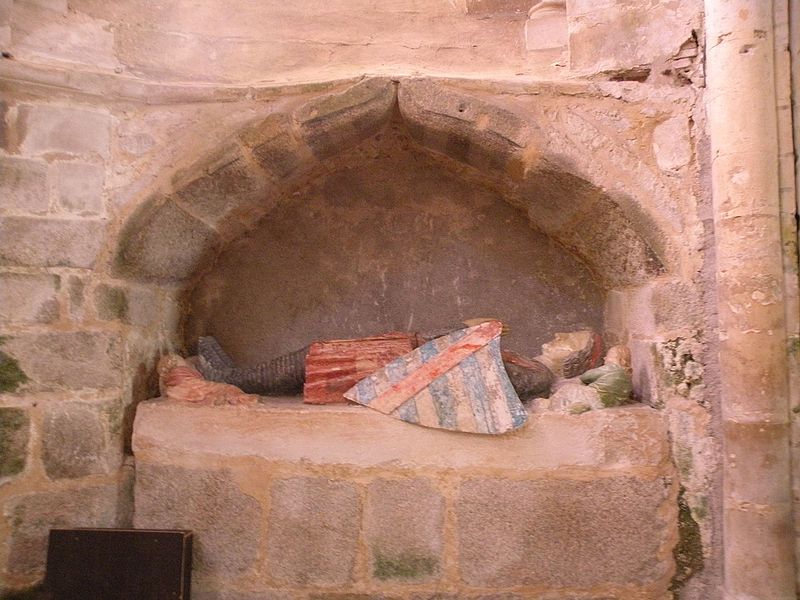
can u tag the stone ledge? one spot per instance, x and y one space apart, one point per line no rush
339 501
285 430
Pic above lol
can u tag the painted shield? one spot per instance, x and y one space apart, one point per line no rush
454 382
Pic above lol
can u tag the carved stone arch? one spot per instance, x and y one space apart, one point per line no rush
543 171
535 164
177 231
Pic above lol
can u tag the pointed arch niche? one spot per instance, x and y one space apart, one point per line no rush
385 207
410 205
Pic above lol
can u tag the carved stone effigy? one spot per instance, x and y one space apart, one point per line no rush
601 387
454 382
334 366
291 373
180 382
280 376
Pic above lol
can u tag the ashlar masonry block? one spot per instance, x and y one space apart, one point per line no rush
339 502
48 129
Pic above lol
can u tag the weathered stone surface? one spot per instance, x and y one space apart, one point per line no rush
227 183
671 144
336 121
617 35
294 432
111 302
161 242
76 360
224 594
472 245
64 129
144 306
59 6
275 146
14 435
563 533
512 8
71 37
226 522
500 596
676 305
75 442
134 305
79 187
546 27
605 236
30 241
758 477
351 596
23 185
403 529
32 516
463 127
574 398
314 524
75 291
29 298
5 30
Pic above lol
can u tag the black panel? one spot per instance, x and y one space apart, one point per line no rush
124 564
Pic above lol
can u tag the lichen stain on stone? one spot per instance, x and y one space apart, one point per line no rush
684 460
11 375
681 364
14 425
794 345
688 552
112 303
404 566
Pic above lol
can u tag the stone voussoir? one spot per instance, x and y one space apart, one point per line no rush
463 126
163 243
220 185
342 119
275 146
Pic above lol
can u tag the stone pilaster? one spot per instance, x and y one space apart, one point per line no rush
750 278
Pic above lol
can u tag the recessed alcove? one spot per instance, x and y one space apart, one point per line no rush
388 238
373 209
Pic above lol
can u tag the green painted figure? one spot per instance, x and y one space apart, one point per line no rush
613 380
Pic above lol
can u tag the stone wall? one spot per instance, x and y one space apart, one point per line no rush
181 185
281 506
136 145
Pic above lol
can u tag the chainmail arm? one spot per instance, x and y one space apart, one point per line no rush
284 375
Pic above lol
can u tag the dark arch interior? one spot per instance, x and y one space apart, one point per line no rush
388 239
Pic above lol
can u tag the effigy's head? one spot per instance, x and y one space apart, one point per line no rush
620 356
570 354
